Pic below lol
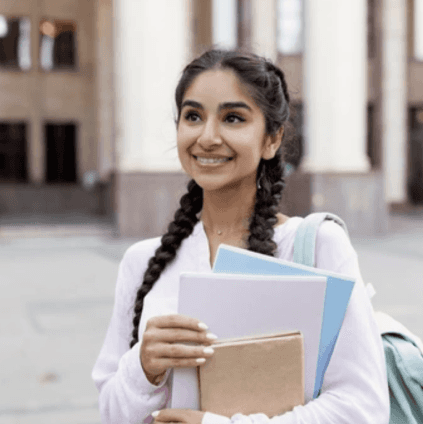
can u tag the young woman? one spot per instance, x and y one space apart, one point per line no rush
232 111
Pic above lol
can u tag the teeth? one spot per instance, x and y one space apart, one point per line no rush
212 160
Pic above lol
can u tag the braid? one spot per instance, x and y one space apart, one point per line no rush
268 198
269 193
273 69
281 76
179 229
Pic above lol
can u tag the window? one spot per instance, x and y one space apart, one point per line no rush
231 23
13 155
15 45
418 30
290 27
371 28
60 152
57 45
224 23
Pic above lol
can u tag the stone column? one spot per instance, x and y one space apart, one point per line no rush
394 99
152 45
264 26
104 89
335 74
334 175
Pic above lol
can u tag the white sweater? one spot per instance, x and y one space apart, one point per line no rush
354 389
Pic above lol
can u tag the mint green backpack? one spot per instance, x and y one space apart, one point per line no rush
403 350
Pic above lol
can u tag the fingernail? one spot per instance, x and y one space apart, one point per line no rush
208 350
211 336
200 360
155 413
203 326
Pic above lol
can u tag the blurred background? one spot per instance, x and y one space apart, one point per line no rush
88 162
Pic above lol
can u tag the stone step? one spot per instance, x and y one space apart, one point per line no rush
10 232
54 198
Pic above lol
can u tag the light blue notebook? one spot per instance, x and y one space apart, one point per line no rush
233 260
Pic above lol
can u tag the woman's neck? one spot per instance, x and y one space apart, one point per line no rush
228 212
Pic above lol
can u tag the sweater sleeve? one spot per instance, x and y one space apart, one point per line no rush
355 388
125 394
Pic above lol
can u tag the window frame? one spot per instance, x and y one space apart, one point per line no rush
70 70
17 69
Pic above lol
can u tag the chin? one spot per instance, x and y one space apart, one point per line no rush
216 186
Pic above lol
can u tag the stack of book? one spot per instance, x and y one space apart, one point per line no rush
252 297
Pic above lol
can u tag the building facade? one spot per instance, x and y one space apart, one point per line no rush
87 111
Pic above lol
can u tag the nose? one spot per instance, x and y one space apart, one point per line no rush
210 135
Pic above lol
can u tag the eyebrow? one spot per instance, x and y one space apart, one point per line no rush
226 105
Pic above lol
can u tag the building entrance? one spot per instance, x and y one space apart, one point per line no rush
415 175
60 152
13 152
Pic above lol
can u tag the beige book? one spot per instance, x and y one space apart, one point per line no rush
252 375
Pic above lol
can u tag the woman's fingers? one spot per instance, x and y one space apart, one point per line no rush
162 356
178 416
182 351
177 321
178 335
166 363
173 341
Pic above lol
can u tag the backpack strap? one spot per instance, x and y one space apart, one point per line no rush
305 238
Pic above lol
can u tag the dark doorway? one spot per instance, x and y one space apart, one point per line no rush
61 152
415 174
13 153
372 147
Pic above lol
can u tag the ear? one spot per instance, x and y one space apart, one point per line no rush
271 144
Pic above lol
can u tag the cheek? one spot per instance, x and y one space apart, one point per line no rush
185 135
252 144
181 141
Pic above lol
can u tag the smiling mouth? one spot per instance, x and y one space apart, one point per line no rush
211 160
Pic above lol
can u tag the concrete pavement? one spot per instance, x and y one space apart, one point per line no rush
56 304
57 295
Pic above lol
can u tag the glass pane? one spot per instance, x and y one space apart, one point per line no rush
225 23
57 45
15 43
418 29
290 27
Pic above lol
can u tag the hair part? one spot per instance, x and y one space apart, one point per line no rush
266 84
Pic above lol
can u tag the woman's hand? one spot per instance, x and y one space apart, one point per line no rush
163 345
186 416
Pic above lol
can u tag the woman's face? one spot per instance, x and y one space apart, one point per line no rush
221 133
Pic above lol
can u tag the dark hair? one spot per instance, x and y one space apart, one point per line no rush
267 86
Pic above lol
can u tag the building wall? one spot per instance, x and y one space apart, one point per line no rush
37 96
90 95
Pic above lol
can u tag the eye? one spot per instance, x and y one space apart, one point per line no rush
234 118
192 116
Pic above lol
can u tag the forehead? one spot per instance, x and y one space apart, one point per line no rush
218 86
